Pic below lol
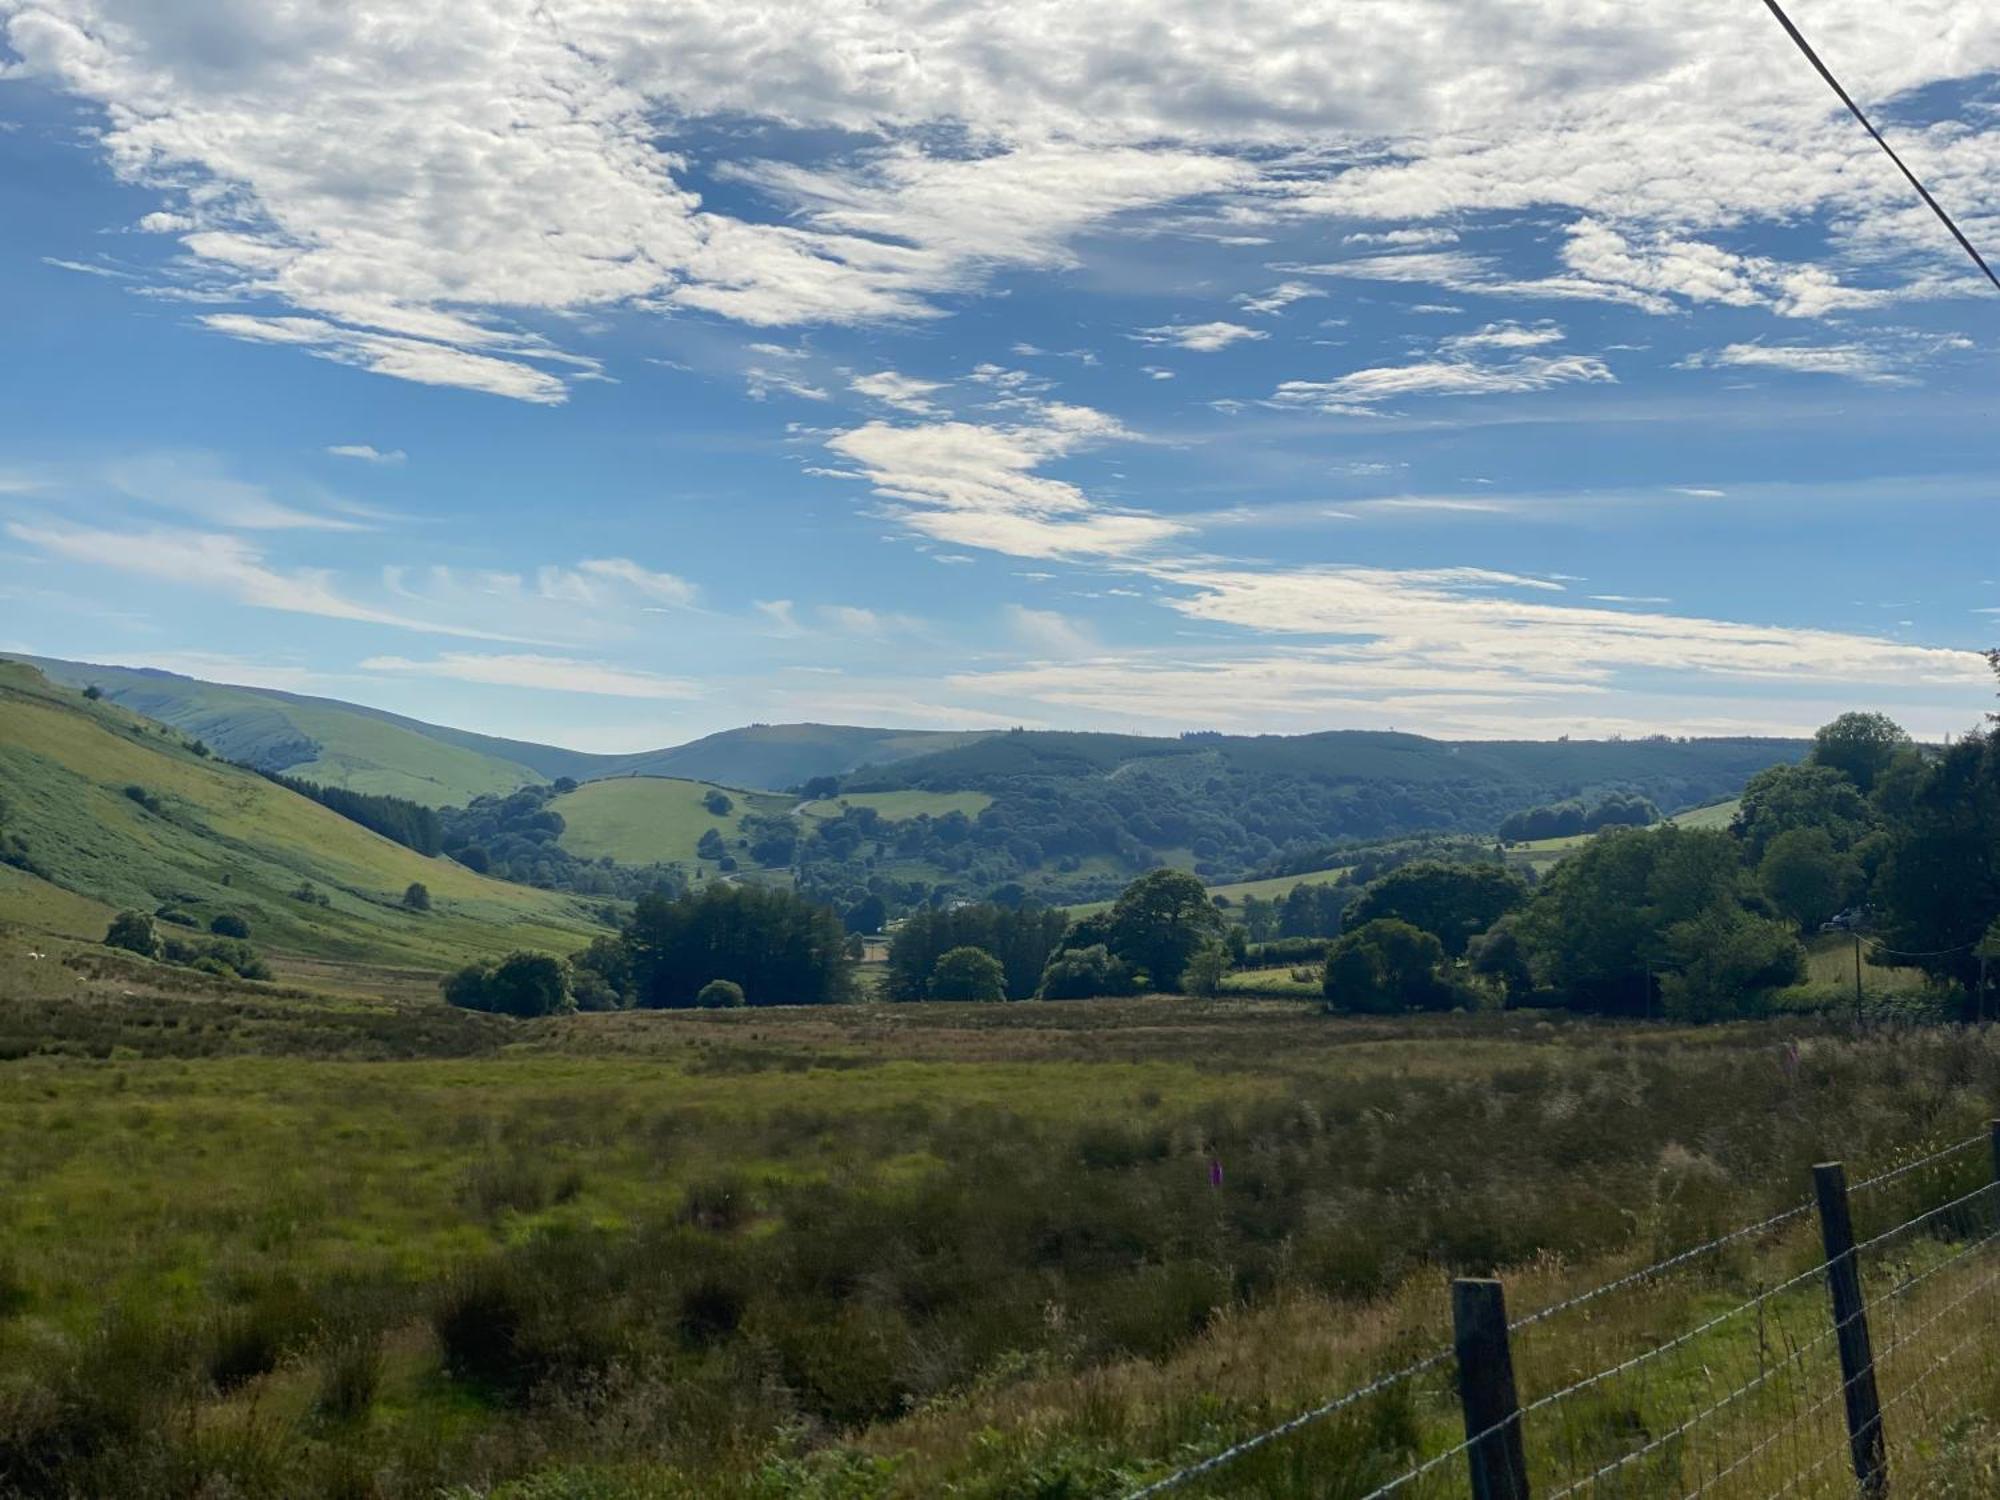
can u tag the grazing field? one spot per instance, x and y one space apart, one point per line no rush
295 1238
897 807
1278 886
643 820
1715 815
116 805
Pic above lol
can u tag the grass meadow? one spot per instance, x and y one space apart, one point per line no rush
327 1237
642 820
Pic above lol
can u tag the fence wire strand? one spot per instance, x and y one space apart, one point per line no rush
1708 1446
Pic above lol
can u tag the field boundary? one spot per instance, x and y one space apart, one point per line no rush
1780 1393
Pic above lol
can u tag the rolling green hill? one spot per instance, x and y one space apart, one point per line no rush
318 739
371 750
781 755
1235 807
641 820
210 838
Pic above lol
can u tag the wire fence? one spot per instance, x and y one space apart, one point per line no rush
1671 1381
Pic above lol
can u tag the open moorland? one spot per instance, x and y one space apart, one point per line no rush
327 1236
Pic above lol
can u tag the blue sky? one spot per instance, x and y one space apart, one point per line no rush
610 373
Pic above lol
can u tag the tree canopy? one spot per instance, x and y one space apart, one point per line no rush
1454 903
968 974
1159 922
1860 746
1383 966
781 948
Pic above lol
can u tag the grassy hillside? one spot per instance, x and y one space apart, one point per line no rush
782 755
211 838
372 750
1542 855
640 820
319 739
1715 815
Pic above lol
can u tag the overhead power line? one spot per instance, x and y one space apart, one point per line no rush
1845 98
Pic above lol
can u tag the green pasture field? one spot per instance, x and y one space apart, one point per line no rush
641 820
898 807
329 1237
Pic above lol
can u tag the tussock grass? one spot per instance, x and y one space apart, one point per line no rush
315 1244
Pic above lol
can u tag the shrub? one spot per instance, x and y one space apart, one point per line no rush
1203 975
1085 974
719 994
968 974
133 931
522 984
1385 966
93 692
143 797
417 897
229 925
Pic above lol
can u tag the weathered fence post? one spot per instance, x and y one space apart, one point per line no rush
1850 1321
1486 1390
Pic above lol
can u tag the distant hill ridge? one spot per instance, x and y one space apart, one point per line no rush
1221 803
372 750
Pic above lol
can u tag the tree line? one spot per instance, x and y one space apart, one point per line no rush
408 823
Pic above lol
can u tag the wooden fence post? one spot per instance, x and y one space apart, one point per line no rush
1850 1321
1486 1390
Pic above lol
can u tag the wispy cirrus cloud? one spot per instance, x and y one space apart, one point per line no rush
225 564
1201 338
551 674
1444 377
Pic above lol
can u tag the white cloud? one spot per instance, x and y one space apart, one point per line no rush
1464 620
556 674
195 485
1444 377
419 360
226 565
1850 361
904 392
367 453
780 612
662 588
1276 299
977 485
88 268
1049 632
873 624
1502 336
761 382
1202 338
402 187
1403 239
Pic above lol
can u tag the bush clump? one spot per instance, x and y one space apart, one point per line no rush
719 994
521 984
